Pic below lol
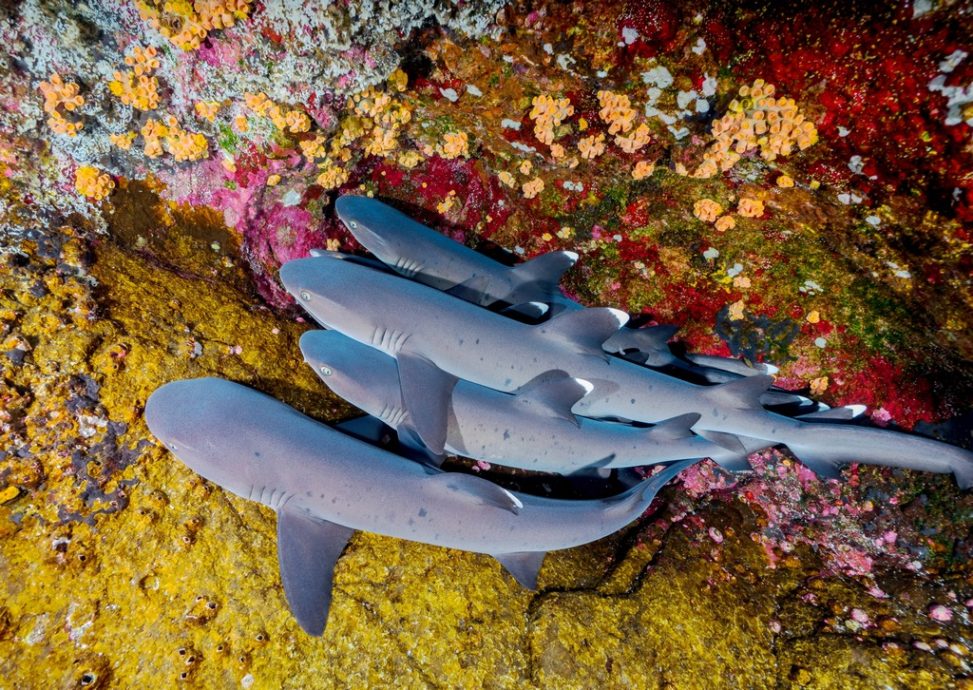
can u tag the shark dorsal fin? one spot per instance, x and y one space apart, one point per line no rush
546 269
523 565
649 340
743 393
553 393
675 427
585 330
478 490
307 550
426 393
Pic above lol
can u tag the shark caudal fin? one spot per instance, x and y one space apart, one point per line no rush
584 330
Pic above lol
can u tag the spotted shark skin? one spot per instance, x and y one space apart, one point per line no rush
446 338
314 478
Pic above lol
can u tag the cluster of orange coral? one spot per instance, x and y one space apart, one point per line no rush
454 145
171 137
61 97
138 87
756 120
547 113
294 121
616 110
187 22
93 183
592 147
207 109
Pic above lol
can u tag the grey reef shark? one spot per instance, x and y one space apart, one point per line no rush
436 339
325 485
532 429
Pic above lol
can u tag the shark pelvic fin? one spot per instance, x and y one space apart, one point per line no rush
743 393
674 428
638 498
523 565
598 468
585 330
738 463
479 491
307 550
426 392
528 310
545 269
652 340
553 393
725 440
818 462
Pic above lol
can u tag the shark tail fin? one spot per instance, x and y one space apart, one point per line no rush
545 269
963 474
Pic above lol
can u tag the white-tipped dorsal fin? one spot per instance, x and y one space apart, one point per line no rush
743 393
307 550
674 428
476 490
585 330
546 268
426 393
523 565
553 393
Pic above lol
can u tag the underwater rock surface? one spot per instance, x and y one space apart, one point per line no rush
135 252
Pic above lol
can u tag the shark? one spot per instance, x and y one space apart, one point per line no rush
530 289
419 252
436 338
322 485
532 428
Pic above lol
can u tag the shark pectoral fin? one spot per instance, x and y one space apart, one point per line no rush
743 393
545 270
553 393
426 393
674 428
307 550
412 447
479 491
366 428
652 339
523 565
846 413
585 330
724 440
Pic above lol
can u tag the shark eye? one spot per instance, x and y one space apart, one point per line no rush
305 295
326 371
354 225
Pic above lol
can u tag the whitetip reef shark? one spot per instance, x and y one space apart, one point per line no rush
325 485
532 429
436 338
